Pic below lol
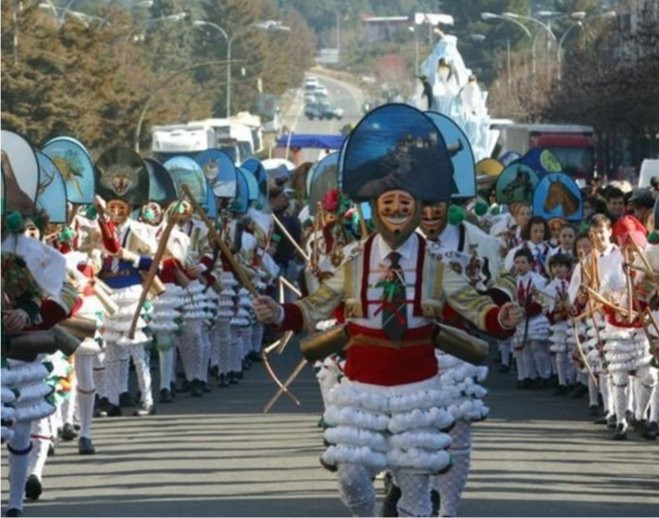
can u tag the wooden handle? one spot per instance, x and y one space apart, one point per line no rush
235 265
290 238
151 275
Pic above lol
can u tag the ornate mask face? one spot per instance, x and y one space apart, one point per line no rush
396 215
433 220
119 211
31 229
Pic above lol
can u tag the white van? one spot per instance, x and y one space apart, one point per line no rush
649 169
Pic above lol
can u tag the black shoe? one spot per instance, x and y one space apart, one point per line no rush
651 431
101 409
51 450
434 499
185 386
553 380
114 411
503 369
126 399
14 512
255 357
593 410
629 416
611 422
205 387
172 389
561 390
144 410
329 467
165 396
527 383
195 388
391 498
33 487
85 446
621 432
68 433
603 419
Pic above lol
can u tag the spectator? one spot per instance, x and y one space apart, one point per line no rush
615 203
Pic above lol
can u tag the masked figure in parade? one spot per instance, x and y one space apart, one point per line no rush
122 185
389 411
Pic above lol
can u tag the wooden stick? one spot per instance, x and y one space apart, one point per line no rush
290 238
235 265
284 342
605 302
362 221
286 283
581 353
649 270
151 274
284 388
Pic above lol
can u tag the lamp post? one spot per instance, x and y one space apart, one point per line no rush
579 17
138 128
266 25
491 16
544 26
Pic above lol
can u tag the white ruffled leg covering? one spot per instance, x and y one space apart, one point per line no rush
519 360
356 489
124 370
224 340
236 350
166 363
414 493
204 354
541 358
113 366
84 366
189 347
214 356
18 463
143 371
100 377
504 350
654 405
645 382
561 367
592 392
530 370
605 390
69 405
620 390
452 483
41 435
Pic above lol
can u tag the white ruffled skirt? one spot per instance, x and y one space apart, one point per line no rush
381 427
461 381
117 326
625 348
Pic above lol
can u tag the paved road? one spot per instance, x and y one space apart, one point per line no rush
537 455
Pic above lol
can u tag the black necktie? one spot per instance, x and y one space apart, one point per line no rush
394 312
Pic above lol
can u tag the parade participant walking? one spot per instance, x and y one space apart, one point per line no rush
122 185
389 411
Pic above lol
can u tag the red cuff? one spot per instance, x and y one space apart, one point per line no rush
534 309
493 326
293 319
110 240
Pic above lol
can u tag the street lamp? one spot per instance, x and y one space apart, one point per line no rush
580 17
264 25
491 16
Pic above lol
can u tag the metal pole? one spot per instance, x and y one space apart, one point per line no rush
510 79
338 35
229 43
416 51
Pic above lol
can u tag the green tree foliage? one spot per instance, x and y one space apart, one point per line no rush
94 80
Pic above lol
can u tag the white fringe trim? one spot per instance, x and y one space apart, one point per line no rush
356 437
